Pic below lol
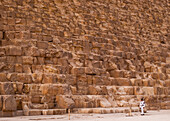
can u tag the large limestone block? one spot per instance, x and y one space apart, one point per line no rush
26 69
120 91
78 101
78 71
13 51
159 90
104 90
97 80
145 82
42 44
37 106
36 99
60 89
122 103
116 73
65 102
27 60
8 114
136 82
148 90
46 89
104 103
47 78
59 111
143 90
24 78
123 82
6 88
125 90
151 82
37 68
92 90
40 60
111 66
111 90
90 71
3 77
18 87
156 76
35 112
9 103
37 77
50 69
138 91
18 68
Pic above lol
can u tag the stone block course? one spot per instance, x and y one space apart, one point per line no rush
93 56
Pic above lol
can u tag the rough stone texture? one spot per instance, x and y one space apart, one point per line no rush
9 103
83 54
64 102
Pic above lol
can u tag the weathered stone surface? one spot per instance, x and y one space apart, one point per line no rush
59 111
24 78
168 60
34 112
94 90
27 60
47 78
26 69
3 77
42 45
144 91
105 103
64 102
78 71
116 74
37 77
7 88
167 83
123 82
8 113
9 103
18 68
13 50
126 90
92 56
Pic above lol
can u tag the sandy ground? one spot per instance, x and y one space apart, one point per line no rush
163 115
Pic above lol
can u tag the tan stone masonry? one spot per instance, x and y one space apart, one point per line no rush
60 54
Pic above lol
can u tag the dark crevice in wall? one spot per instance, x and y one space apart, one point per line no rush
3 36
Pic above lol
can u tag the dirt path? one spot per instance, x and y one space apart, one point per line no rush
163 115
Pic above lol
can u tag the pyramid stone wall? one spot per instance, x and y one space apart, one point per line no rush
61 54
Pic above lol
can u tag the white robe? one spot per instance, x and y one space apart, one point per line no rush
142 105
